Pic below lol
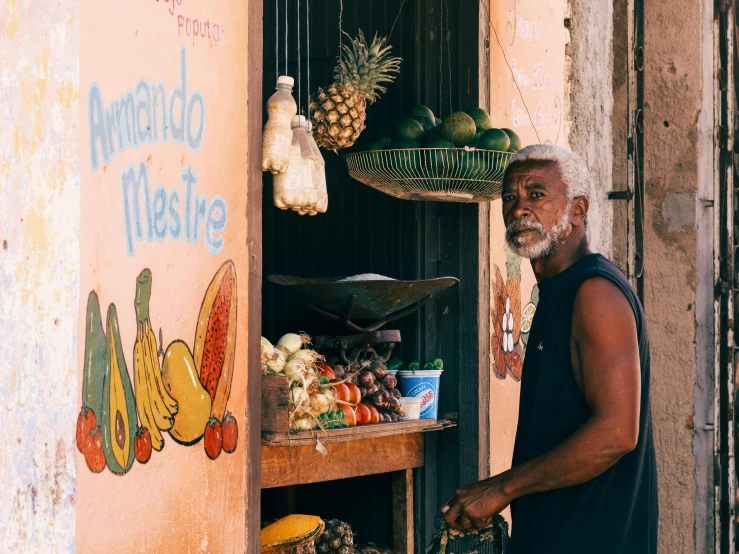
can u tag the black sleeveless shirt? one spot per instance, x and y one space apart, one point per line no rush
617 512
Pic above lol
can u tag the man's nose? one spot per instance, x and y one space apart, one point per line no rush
520 209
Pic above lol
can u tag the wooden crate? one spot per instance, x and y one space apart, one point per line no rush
276 427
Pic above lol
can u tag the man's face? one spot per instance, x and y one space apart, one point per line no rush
536 209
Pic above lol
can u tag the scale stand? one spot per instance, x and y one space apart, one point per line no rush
356 349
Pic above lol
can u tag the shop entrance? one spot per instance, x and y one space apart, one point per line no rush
367 232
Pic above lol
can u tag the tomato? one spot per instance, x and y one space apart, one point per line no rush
230 433
94 451
213 438
85 423
142 445
342 392
375 414
349 414
363 414
355 395
326 371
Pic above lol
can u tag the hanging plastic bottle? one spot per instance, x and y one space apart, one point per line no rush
292 189
278 136
319 174
301 130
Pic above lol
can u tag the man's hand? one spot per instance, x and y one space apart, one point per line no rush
473 506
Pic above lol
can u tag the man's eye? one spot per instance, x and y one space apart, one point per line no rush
508 198
536 195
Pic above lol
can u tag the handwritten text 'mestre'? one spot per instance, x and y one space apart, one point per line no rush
145 116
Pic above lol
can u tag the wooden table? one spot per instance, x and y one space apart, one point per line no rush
395 448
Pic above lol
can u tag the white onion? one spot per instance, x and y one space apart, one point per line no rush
296 369
276 364
291 343
311 383
303 423
298 396
267 350
308 356
320 403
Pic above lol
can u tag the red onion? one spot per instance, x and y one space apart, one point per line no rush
372 390
380 399
379 371
389 381
366 379
395 393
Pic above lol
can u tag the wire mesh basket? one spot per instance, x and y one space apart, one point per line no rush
436 174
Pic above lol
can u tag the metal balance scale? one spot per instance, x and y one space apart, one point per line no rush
365 298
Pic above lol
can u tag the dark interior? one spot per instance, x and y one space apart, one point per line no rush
365 231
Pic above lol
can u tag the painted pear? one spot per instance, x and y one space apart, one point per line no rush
95 362
182 382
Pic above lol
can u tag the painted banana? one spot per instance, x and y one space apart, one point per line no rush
141 392
169 402
162 416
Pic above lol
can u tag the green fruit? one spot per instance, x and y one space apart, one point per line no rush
409 129
458 128
118 417
494 139
375 145
425 122
481 119
476 142
515 139
471 165
437 142
421 111
95 362
407 159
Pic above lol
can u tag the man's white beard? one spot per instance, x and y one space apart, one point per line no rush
546 245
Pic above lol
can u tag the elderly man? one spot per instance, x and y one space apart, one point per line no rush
584 477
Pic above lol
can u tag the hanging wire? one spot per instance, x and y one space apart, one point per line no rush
396 19
286 20
486 5
441 60
447 37
341 17
277 34
307 61
300 89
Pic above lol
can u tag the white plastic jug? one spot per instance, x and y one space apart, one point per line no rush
277 136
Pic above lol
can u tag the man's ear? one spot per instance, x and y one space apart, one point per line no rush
580 207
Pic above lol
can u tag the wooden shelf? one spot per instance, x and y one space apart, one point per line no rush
331 436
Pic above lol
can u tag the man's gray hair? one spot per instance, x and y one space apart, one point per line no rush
572 168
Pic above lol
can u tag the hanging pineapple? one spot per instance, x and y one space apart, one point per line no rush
339 111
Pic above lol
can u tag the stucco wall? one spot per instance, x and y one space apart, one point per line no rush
589 105
672 105
39 273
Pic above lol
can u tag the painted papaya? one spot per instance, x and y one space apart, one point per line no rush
215 338
118 421
95 362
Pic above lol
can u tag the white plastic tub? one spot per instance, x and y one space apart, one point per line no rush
411 407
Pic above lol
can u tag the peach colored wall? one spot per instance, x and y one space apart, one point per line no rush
180 500
533 37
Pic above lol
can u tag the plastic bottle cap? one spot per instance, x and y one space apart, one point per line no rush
298 121
285 80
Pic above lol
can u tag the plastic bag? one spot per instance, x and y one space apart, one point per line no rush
277 136
492 539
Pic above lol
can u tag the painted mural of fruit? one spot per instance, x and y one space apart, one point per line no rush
118 417
94 456
155 405
95 361
86 422
181 381
215 338
230 433
142 445
213 438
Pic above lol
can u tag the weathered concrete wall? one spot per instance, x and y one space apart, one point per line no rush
673 93
589 103
39 273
